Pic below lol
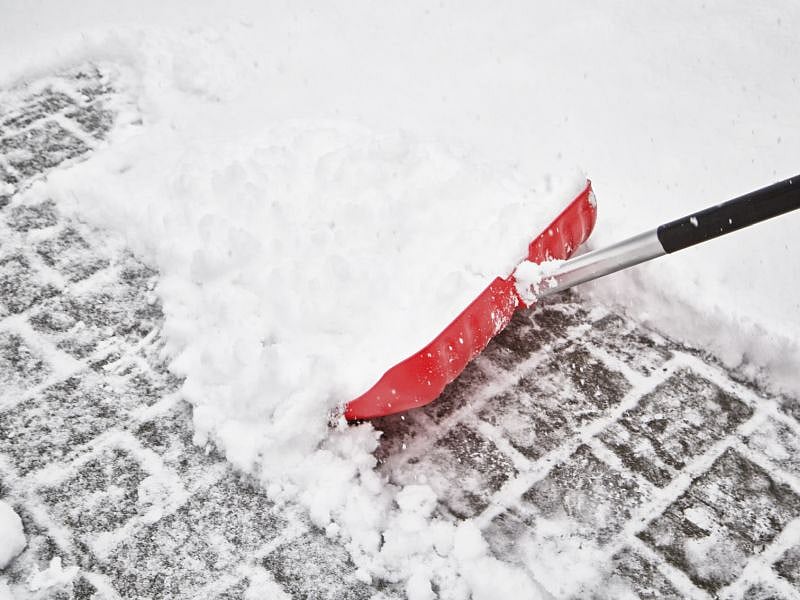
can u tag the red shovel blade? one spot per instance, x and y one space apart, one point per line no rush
419 379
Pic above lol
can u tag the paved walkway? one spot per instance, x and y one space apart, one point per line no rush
578 440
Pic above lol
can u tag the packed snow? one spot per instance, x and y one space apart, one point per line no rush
11 534
54 576
532 280
323 187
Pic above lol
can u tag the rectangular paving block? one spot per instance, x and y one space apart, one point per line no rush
20 286
70 254
119 312
555 400
638 577
779 443
45 145
635 347
207 537
34 108
170 436
101 496
60 419
529 330
683 417
94 119
728 514
463 467
585 491
20 367
788 566
457 395
314 568
30 217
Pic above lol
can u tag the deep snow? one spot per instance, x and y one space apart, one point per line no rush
668 108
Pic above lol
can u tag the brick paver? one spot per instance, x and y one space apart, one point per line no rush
577 434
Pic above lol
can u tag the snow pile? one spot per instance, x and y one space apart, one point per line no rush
247 178
11 534
299 261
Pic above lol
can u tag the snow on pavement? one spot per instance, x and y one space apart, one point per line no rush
337 483
11 533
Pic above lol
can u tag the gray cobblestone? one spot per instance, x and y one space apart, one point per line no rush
726 516
680 419
555 399
788 566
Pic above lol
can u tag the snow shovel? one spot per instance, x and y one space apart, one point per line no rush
752 208
420 379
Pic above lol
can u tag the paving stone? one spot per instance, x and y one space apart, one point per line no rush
91 83
36 150
170 436
71 255
779 443
788 566
27 217
20 367
235 592
115 312
791 406
465 468
40 548
636 577
20 288
314 568
398 431
588 492
94 119
727 515
555 400
457 394
680 419
101 496
66 415
635 347
214 531
762 591
34 108
529 330
8 185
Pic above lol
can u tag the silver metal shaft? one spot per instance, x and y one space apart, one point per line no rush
597 263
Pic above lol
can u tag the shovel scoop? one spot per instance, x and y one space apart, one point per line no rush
420 378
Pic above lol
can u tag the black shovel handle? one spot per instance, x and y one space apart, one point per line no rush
763 204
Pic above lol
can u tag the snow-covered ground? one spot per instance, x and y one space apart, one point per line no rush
254 142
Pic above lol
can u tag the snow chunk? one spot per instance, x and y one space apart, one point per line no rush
532 278
53 576
418 587
11 534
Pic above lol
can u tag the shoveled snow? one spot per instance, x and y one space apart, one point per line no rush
669 107
55 575
303 260
11 534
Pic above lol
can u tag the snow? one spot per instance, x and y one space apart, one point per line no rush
11 534
385 159
531 279
5 591
55 575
